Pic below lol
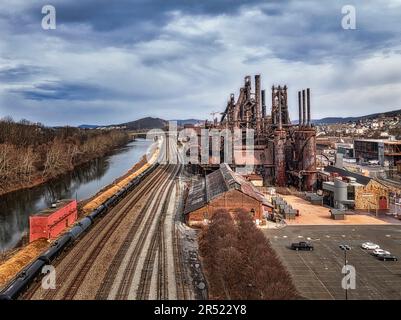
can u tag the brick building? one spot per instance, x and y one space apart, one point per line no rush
224 189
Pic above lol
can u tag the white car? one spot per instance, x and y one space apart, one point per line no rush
380 252
370 246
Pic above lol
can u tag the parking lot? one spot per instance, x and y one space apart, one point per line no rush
317 274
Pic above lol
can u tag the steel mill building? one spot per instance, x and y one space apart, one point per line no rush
284 152
224 189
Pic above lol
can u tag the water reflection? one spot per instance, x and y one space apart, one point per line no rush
81 183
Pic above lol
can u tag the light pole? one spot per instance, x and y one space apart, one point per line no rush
345 248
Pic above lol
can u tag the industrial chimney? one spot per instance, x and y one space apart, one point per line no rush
299 108
280 120
263 104
303 108
257 100
308 99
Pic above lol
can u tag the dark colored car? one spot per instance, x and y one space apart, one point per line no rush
302 246
387 257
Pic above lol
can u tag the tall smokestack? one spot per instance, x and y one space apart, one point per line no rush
263 104
257 100
280 120
248 87
273 101
299 108
308 105
303 108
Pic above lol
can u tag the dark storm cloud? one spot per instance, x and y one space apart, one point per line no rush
293 30
181 58
63 91
19 72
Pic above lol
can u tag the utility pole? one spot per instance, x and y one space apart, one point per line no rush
345 248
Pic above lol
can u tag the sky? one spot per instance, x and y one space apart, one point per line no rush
109 62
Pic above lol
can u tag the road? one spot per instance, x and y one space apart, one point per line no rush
317 274
131 253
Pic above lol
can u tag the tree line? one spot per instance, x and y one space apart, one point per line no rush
239 261
32 153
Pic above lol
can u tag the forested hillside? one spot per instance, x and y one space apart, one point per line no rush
32 153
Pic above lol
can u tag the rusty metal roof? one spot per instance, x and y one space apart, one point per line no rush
218 182
345 173
196 196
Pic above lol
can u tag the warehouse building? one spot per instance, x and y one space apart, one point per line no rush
224 189
386 152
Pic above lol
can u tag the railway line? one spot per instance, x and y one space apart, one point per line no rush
131 253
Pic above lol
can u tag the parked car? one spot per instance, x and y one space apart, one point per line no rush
387 257
370 246
378 252
302 245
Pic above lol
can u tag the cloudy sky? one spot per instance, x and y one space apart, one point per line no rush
114 61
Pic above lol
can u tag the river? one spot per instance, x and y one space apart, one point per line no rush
82 183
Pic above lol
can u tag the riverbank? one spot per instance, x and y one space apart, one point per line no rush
22 257
26 167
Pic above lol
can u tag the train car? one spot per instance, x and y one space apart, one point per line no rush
56 248
76 231
27 276
22 281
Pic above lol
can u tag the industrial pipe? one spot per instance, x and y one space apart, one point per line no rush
257 97
299 108
257 101
263 104
280 120
248 87
308 105
273 101
303 108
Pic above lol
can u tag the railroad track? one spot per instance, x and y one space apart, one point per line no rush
119 281
157 248
121 253
182 293
130 253
95 240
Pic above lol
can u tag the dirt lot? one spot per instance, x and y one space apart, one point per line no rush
318 215
317 274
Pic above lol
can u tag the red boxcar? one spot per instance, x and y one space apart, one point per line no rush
49 223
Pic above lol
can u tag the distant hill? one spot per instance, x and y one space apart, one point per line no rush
88 126
334 120
187 121
145 123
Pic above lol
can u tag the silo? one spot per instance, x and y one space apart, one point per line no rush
340 193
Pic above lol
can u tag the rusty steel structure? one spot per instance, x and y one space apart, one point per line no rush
284 153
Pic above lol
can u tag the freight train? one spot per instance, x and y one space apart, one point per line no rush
22 281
